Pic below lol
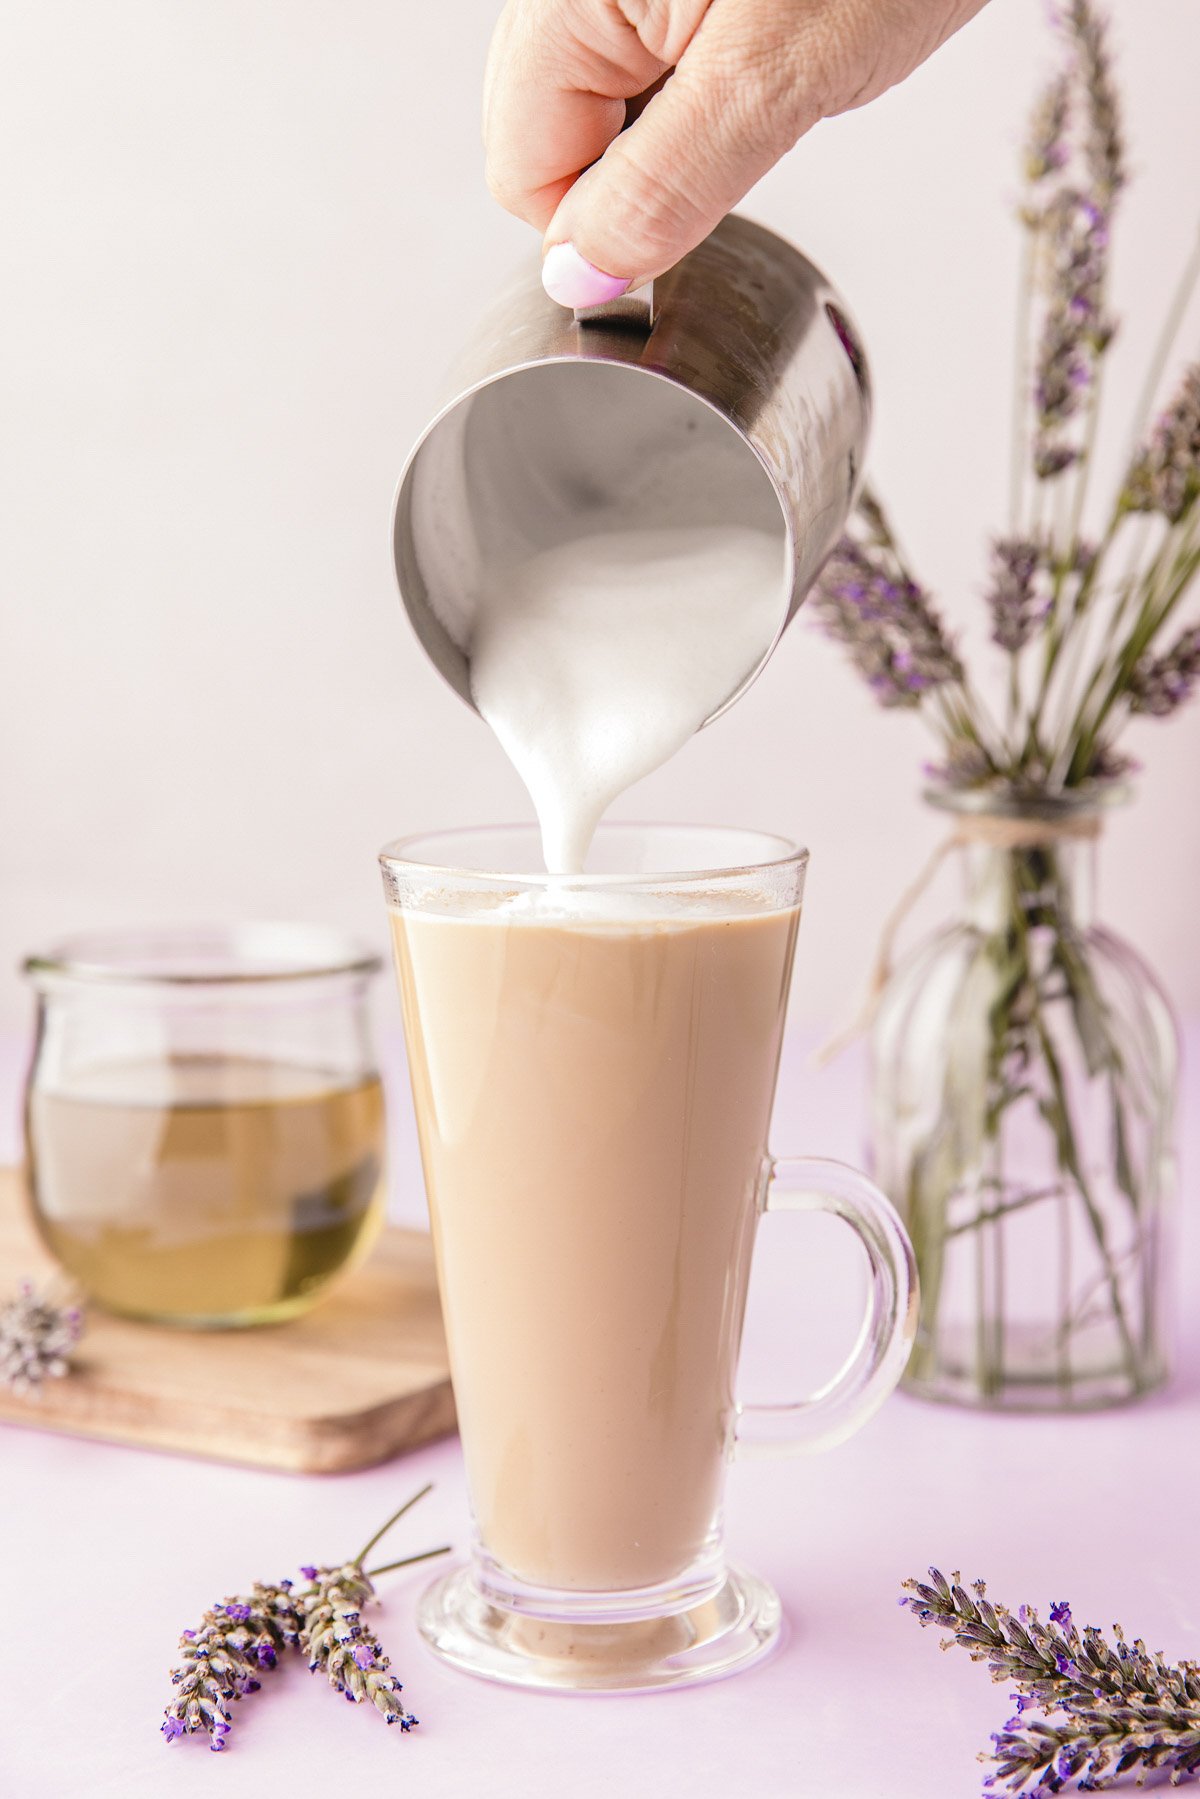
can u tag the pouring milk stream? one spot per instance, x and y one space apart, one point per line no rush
576 662
595 658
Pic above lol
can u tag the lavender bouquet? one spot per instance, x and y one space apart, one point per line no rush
1024 1060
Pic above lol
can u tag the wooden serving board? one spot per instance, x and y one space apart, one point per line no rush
360 1379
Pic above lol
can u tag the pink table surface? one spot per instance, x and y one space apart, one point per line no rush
108 1553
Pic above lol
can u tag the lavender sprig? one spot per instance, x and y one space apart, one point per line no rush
236 1642
36 1339
244 1636
1106 1708
1047 150
1160 684
335 1641
1103 146
1165 476
1012 598
868 601
1076 331
1074 226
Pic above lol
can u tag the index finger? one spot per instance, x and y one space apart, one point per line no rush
559 73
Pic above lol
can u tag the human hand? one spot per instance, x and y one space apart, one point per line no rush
717 90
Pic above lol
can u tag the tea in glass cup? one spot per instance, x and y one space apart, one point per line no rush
204 1119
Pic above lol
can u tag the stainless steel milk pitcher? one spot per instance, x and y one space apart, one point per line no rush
744 327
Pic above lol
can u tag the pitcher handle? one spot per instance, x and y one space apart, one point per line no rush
634 310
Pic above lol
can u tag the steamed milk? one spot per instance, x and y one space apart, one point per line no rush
593 1087
593 1100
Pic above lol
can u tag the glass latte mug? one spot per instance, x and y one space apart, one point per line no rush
593 1064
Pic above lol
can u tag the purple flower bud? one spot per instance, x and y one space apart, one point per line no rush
308 1571
173 1727
868 602
364 1656
1060 1613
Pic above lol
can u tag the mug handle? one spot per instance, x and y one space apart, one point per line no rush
885 1337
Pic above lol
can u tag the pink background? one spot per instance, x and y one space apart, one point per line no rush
242 240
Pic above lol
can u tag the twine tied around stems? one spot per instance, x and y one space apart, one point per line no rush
987 830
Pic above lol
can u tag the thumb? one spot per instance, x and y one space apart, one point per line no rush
730 109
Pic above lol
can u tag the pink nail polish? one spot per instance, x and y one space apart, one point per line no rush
573 281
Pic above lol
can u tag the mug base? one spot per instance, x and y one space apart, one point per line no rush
738 1625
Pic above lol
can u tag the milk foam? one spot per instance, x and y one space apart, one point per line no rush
595 660
618 570
593 909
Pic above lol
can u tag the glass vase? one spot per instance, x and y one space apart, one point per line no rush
1023 1076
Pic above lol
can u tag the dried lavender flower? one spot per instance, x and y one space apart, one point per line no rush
1015 605
236 1642
1160 684
1106 1708
965 764
1046 150
1165 476
867 600
1108 764
1074 227
36 1339
244 1636
335 1641
1103 145
1076 330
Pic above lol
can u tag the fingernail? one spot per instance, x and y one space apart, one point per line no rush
573 281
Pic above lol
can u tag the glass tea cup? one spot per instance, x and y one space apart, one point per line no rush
204 1119
593 1063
